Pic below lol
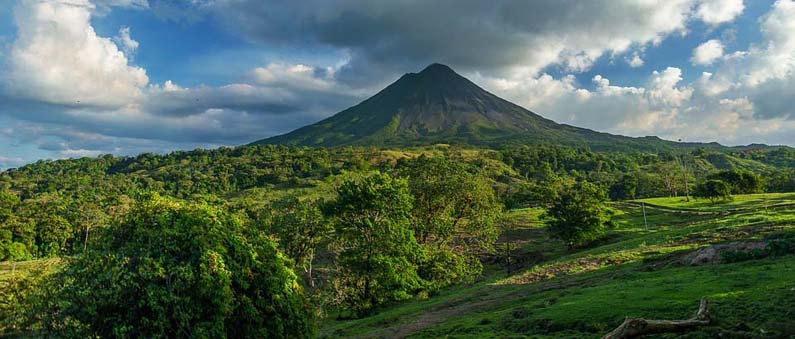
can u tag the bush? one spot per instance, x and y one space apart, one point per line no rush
741 182
172 269
713 190
579 214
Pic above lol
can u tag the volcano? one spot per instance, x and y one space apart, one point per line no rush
438 105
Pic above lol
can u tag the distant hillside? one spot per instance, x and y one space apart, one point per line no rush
438 105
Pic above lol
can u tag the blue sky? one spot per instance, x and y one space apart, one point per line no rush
88 77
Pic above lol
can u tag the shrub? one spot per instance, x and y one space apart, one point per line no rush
714 190
579 214
173 269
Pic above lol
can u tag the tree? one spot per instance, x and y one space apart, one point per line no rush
453 218
713 189
671 174
579 214
10 247
173 269
624 188
740 182
378 250
300 227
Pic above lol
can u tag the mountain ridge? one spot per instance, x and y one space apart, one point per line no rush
438 105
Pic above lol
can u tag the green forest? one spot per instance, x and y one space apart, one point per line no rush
288 241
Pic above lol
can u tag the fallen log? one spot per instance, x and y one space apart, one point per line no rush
636 327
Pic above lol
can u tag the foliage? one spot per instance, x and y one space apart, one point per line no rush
775 247
172 269
579 215
625 188
714 190
741 182
300 227
378 250
453 218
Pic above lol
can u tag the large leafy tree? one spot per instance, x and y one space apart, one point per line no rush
301 228
377 249
740 182
579 215
173 269
625 188
713 189
10 246
453 218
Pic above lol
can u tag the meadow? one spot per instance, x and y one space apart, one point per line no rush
637 270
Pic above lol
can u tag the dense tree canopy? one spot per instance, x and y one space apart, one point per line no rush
300 227
378 250
172 269
240 221
740 182
453 218
713 189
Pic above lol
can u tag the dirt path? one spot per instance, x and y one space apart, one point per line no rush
460 306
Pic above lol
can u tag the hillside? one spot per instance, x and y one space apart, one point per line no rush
437 105
54 213
638 271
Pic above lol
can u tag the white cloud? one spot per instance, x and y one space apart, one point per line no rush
9 162
715 12
708 85
58 58
706 53
663 89
776 59
635 61
62 76
298 75
56 54
509 37
128 45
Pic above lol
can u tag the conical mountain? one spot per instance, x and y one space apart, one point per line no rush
437 105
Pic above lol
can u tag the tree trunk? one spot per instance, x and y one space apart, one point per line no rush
311 279
636 327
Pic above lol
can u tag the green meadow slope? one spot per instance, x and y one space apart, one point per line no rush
639 270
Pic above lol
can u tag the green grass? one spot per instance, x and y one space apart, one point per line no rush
10 270
747 201
637 270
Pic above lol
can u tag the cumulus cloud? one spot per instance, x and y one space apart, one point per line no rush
61 101
747 98
128 45
58 58
73 92
298 75
635 61
470 35
706 53
776 58
715 12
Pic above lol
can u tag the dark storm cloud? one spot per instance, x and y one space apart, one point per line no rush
469 34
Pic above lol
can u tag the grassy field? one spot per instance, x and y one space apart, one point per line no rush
640 269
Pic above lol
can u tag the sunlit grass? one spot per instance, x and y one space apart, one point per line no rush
635 271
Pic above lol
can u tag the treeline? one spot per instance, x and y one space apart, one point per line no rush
50 208
262 240
207 268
